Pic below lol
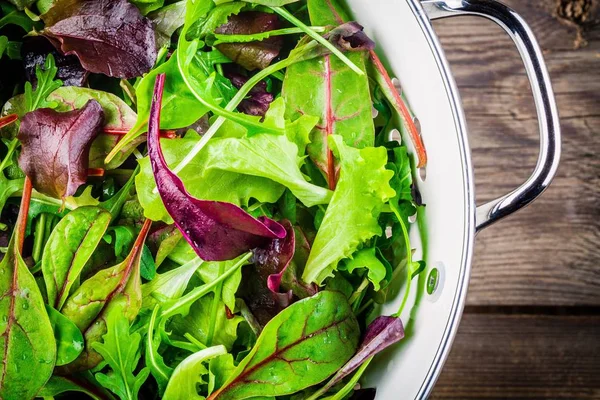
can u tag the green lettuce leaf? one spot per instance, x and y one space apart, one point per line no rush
351 218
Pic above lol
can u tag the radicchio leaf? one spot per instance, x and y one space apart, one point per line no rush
34 51
56 147
258 100
382 333
108 36
217 231
252 55
261 284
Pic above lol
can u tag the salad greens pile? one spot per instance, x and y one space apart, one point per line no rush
199 199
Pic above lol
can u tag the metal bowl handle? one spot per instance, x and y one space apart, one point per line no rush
543 95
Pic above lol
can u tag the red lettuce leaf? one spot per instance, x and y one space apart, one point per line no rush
108 36
217 231
34 51
383 332
273 260
258 100
56 147
251 55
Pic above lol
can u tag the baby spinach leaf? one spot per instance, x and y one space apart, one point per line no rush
188 374
251 55
55 147
108 36
224 186
118 287
69 248
217 231
121 351
83 383
362 191
299 348
26 336
147 265
69 340
316 87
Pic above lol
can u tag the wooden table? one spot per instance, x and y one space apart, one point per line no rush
531 328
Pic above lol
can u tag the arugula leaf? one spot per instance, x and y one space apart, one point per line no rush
121 351
169 285
362 191
198 323
188 374
46 84
367 258
154 360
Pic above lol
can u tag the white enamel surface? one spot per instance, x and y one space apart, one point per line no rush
409 370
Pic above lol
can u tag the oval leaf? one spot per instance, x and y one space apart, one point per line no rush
69 248
69 340
26 337
299 348
110 37
56 147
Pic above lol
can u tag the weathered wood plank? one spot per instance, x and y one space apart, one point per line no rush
549 253
523 357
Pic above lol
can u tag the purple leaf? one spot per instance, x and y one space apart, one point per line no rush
34 51
350 37
258 100
56 147
382 333
216 230
108 36
272 261
251 55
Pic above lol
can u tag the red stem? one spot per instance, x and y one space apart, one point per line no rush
21 225
165 134
402 109
96 172
9 119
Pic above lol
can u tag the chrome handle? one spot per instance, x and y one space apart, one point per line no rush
543 95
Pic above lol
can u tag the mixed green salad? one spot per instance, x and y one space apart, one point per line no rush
200 199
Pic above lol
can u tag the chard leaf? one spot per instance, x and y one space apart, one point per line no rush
117 287
170 285
299 348
26 336
362 191
121 351
382 332
224 186
216 231
166 21
69 248
197 323
318 87
55 147
108 36
188 374
251 55
69 340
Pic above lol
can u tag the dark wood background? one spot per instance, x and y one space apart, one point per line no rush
531 328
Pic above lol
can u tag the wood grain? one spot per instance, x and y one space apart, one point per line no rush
523 357
548 254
